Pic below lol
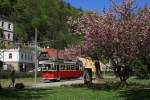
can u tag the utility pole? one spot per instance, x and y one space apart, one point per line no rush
36 55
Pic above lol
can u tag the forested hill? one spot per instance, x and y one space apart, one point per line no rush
49 16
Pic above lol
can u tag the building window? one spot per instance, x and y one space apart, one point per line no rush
25 57
2 24
22 56
8 36
31 58
10 55
9 26
28 57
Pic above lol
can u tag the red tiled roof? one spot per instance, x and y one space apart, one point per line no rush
54 53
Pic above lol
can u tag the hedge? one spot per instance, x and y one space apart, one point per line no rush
6 75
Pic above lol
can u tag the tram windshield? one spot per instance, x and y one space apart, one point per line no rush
46 67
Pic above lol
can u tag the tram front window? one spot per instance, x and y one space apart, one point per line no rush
45 67
42 67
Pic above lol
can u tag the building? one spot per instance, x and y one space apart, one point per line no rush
6 35
51 53
7 28
89 63
22 59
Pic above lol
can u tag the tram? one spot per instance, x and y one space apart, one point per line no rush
60 69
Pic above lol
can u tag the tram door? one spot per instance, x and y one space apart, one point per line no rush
57 68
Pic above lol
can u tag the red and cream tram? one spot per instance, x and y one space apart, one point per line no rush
60 69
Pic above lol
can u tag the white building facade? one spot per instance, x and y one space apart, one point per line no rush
7 28
22 59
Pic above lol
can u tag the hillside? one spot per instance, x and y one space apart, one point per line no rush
48 16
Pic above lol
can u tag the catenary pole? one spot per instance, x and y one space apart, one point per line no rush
36 55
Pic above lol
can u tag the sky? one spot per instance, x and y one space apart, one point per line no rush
99 5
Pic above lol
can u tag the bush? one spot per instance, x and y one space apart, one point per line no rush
6 75
19 86
143 76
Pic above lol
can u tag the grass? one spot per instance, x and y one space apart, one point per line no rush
134 80
102 91
6 82
74 93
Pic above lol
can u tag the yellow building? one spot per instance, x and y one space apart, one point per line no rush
89 63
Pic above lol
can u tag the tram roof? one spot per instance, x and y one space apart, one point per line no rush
57 61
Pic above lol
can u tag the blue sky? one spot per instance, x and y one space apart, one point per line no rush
98 5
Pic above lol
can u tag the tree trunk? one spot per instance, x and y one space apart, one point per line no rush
0 86
123 84
123 72
148 68
98 70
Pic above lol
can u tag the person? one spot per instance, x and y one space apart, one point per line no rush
12 75
23 68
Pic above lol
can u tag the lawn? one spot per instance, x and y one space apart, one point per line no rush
102 91
74 93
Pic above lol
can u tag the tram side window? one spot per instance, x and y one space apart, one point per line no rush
72 67
49 67
54 68
57 67
62 67
77 67
68 67
65 67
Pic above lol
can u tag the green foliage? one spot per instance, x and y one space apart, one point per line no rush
1 33
1 37
6 75
74 93
141 67
48 16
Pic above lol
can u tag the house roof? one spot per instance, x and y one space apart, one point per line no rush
48 53
54 53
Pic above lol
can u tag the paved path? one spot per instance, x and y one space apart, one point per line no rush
59 83
55 84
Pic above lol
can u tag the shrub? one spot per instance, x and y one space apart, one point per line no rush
6 75
19 86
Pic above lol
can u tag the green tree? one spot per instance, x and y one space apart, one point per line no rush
48 16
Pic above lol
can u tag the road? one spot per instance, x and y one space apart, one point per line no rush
55 84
